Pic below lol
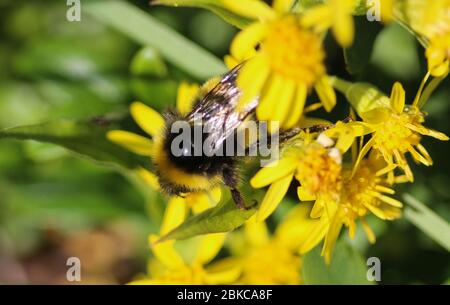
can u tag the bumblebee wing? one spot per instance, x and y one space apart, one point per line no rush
217 110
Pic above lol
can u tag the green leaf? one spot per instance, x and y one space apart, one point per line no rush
358 55
146 30
147 62
86 138
426 220
395 53
69 58
212 5
347 266
224 217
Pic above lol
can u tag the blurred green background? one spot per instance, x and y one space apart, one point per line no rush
54 205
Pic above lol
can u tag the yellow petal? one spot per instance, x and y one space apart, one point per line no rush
285 100
428 132
387 10
398 98
369 233
256 233
376 211
230 61
304 195
165 253
390 201
360 128
317 209
331 237
326 93
319 17
131 141
253 9
313 107
186 97
201 206
244 43
418 157
273 197
424 153
366 148
216 194
440 70
225 271
251 80
352 230
148 177
343 30
174 215
282 6
314 236
345 141
385 170
384 189
200 201
270 100
294 230
437 63
297 107
148 119
269 174
209 246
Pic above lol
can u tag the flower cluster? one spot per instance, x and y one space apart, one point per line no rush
284 57
342 174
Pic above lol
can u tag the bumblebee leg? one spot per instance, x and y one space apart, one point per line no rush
231 180
288 134
237 198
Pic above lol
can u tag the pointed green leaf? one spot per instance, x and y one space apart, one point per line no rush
146 30
224 217
347 266
426 220
86 138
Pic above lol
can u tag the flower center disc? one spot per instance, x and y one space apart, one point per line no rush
294 52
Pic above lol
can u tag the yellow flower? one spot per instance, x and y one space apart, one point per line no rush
288 63
263 250
314 163
169 267
273 258
396 129
363 191
431 19
334 14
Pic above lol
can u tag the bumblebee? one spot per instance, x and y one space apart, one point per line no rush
219 116
189 172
